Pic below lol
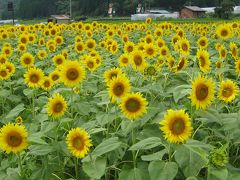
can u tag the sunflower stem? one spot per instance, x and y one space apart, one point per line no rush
133 152
33 105
20 165
76 168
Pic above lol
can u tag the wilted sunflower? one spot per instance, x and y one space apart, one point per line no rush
56 106
13 138
228 91
119 87
176 126
203 60
72 73
33 77
78 142
27 60
202 93
133 106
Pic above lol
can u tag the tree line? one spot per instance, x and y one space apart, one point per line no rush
28 9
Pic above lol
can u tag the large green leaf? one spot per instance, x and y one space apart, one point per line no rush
159 170
96 168
130 174
15 111
217 173
40 150
106 146
155 156
189 161
146 144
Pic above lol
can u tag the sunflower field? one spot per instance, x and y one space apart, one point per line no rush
130 101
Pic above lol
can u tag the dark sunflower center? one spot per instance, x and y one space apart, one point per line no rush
79 47
118 89
184 47
129 49
59 61
132 105
201 92
3 73
148 40
125 60
46 83
202 43
224 33
34 78
72 74
164 52
223 53
138 60
90 65
227 92
151 70
90 45
178 126
55 77
23 40
202 61
58 107
181 64
14 139
77 143
27 60
7 51
150 51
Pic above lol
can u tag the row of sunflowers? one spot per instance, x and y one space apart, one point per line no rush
120 101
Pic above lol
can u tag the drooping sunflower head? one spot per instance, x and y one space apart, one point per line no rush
222 52
27 60
119 87
203 60
72 73
228 91
176 126
133 106
13 138
78 142
219 157
202 93
33 77
56 106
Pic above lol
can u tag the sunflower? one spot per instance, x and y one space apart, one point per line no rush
7 50
79 47
160 42
222 53
202 42
90 63
184 46
59 59
182 64
202 93
23 38
46 83
218 64
148 20
150 50
42 54
78 142
203 60
112 73
133 106
119 87
138 60
224 31
13 138
41 42
149 39
90 44
234 50
33 77
4 73
22 47
55 76
72 73
59 40
56 106
176 126
27 60
164 51
124 60
3 58
19 120
10 67
129 47
228 91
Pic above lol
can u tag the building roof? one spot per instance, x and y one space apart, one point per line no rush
195 8
60 17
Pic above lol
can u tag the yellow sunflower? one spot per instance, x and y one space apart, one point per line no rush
42 54
78 142
119 87
4 73
55 76
47 83
33 77
22 47
138 60
129 47
203 60
72 73
202 42
184 46
133 106
224 31
234 50
150 50
27 60
56 106
3 58
79 47
228 91
112 73
90 44
124 60
202 93
10 67
59 59
182 64
176 126
7 50
13 138
237 67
